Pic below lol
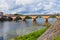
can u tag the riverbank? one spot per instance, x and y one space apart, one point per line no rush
52 32
31 36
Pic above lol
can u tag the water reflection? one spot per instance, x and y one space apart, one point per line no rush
52 20
13 29
34 23
1 30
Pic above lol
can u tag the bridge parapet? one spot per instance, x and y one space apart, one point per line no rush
33 17
45 17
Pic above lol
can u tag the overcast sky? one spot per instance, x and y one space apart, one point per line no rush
30 6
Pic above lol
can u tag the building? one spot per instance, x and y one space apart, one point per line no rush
1 13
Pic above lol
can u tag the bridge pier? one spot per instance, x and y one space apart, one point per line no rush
34 23
13 18
33 18
45 19
23 18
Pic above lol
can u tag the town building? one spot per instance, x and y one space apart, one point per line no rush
1 13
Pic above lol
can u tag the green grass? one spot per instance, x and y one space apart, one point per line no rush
31 36
57 38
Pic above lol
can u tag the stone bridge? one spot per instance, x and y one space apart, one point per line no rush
23 17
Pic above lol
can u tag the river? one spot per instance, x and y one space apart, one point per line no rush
12 29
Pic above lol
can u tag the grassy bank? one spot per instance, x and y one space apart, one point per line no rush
31 36
57 38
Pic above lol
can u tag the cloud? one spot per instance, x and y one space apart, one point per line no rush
30 6
3 6
23 2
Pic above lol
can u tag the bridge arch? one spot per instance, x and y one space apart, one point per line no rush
18 18
52 16
28 17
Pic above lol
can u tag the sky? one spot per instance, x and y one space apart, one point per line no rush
30 6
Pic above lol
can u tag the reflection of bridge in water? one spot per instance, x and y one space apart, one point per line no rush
23 17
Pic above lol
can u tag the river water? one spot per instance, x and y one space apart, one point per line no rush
13 29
